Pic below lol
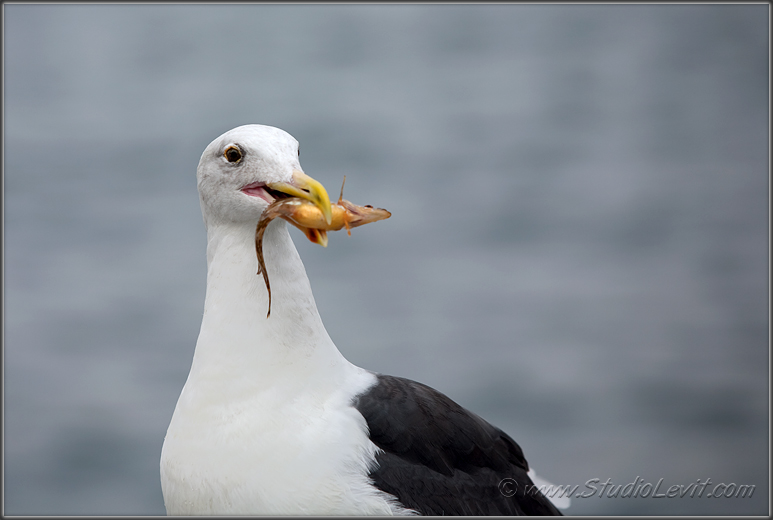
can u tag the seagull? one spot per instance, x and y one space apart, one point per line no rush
273 420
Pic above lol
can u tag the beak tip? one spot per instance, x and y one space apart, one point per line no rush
314 192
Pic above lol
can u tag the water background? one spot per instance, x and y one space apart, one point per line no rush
578 249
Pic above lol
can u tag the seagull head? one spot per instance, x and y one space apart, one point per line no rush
245 169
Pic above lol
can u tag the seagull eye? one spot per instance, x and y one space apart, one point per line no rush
233 154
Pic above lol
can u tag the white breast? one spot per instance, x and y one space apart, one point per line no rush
267 454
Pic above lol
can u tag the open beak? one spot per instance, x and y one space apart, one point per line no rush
305 187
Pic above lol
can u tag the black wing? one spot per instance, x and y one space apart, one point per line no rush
441 459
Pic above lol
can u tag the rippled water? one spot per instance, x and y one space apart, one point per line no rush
578 249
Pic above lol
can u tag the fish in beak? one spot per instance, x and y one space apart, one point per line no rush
304 187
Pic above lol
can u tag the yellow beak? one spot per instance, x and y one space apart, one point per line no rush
317 236
307 188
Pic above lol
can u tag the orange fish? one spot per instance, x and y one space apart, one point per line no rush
307 217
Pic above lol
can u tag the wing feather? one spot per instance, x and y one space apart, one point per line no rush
441 459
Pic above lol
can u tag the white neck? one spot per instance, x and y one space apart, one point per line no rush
265 422
237 341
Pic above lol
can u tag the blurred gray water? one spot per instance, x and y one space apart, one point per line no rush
578 249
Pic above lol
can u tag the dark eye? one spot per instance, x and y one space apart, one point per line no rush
233 154
299 151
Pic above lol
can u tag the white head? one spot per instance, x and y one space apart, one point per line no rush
245 169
